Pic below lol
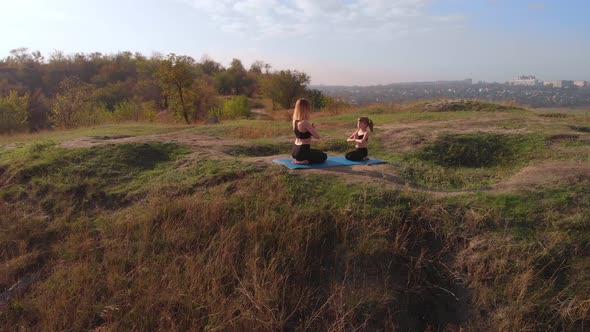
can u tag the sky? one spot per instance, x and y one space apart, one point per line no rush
336 42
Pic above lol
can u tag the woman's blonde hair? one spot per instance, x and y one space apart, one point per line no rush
302 108
368 121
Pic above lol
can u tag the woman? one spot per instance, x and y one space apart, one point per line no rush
304 130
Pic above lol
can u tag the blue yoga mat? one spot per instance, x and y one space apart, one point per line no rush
331 162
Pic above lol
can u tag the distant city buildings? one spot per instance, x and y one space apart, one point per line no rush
525 80
522 91
559 83
530 80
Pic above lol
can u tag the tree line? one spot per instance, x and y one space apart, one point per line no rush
66 91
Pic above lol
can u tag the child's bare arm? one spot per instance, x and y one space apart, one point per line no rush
365 138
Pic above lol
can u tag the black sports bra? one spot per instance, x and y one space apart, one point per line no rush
299 134
361 137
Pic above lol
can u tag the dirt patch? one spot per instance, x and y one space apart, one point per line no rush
9 146
543 174
190 140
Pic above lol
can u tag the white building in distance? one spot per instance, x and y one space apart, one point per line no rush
526 80
559 83
581 84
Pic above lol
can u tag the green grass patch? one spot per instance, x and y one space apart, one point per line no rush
333 145
189 175
72 179
463 105
130 129
560 208
459 161
474 150
554 115
517 123
258 150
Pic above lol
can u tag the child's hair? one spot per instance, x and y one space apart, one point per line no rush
302 108
368 121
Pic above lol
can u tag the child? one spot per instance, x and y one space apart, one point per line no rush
360 136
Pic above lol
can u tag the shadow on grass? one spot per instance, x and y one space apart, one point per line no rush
581 129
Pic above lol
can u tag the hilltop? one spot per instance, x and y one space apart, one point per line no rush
479 220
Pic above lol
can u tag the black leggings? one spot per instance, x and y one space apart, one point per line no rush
304 152
358 155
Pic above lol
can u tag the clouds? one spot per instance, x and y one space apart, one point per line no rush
273 18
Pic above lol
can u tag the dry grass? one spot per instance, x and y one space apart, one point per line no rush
199 242
258 259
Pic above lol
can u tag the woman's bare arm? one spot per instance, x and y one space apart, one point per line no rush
311 129
352 138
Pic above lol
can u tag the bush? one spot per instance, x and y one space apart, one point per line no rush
134 110
235 107
14 112
71 102
149 110
95 114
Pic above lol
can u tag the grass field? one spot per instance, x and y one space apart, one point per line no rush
479 221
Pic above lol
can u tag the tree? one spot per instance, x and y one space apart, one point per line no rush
147 87
39 106
19 56
210 67
224 82
176 77
239 77
203 97
284 87
70 103
316 98
113 93
256 67
14 112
